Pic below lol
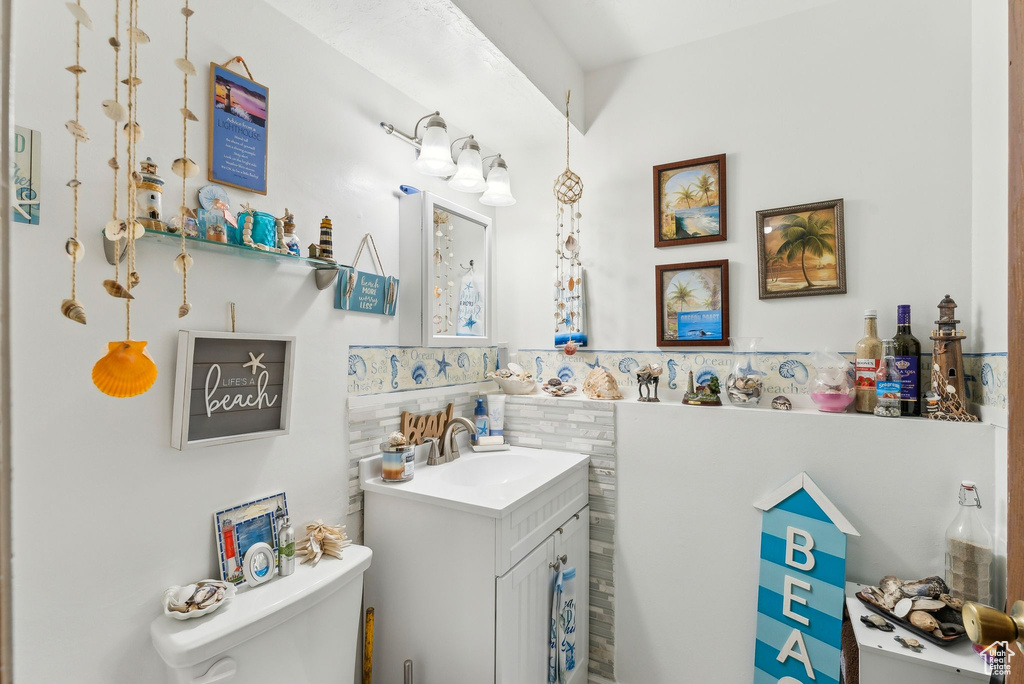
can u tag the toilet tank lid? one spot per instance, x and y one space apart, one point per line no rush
183 643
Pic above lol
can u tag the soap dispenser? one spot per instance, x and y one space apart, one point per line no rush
480 412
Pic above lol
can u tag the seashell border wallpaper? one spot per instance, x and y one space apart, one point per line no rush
379 370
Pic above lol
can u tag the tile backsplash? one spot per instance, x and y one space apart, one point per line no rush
379 370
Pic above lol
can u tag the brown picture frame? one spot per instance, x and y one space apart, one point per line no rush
660 240
659 293
839 249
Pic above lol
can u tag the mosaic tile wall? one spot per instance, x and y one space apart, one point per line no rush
586 427
788 373
378 370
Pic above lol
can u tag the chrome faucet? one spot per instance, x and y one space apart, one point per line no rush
449 448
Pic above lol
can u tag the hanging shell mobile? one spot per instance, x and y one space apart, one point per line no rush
568 191
184 168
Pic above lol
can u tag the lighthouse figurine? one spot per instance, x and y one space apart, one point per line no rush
948 366
148 195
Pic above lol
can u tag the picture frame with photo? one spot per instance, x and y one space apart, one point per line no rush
690 202
693 304
239 130
801 250
239 527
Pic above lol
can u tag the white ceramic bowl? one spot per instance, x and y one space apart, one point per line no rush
182 594
515 385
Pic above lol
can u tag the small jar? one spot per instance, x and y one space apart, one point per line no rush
397 462
215 232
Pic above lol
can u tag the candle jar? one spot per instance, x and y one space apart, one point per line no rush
397 462
745 383
831 388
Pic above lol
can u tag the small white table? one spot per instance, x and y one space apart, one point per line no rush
884 661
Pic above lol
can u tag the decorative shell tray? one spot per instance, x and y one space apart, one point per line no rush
873 605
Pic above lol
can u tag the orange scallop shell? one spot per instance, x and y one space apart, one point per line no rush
126 371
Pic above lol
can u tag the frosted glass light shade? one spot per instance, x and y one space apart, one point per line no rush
435 154
470 174
499 188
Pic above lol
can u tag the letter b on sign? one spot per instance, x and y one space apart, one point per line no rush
804 549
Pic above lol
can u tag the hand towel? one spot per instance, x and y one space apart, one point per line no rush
562 644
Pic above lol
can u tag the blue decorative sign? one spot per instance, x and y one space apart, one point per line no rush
238 131
366 292
26 175
801 592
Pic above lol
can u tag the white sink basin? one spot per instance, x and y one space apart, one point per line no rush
493 469
490 484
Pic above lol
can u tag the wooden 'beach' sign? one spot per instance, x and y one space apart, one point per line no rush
801 592
231 387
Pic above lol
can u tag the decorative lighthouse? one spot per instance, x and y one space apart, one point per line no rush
148 194
948 366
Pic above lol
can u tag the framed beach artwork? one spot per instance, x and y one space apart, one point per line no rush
239 129
693 304
689 202
801 250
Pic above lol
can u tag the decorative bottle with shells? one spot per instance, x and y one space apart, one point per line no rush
745 383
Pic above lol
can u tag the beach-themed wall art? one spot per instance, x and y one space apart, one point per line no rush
239 527
239 126
801 250
366 292
231 387
693 304
26 175
689 202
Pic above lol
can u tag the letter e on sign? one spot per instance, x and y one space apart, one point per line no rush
789 598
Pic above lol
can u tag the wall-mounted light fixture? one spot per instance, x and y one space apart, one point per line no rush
435 157
499 188
469 176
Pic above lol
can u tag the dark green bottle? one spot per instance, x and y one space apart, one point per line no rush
908 362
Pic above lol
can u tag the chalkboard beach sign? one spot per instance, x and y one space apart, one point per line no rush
231 387
366 292
239 129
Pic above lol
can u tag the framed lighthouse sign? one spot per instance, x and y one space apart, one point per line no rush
231 387
801 591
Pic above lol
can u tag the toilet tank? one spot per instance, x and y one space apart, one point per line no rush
300 628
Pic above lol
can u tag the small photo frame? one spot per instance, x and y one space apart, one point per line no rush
801 250
693 304
239 527
239 131
689 202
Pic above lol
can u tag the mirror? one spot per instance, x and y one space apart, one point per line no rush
452 265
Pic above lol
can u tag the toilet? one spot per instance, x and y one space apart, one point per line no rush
300 628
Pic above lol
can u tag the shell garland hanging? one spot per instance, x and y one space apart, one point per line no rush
126 371
568 190
71 308
184 168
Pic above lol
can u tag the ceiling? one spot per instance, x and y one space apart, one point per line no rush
599 33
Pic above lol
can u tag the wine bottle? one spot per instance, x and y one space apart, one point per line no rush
869 354
908 361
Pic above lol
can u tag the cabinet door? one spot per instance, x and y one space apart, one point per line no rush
573 541
523 614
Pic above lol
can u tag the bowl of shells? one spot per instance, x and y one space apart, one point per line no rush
196 600
514 379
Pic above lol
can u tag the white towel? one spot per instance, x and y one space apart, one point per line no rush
562 641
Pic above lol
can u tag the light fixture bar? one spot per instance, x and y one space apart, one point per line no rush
391 130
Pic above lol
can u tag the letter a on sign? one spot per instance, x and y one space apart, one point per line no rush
801 590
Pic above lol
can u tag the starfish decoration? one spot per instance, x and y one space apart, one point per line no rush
470 322
597 361
442 366
254 362
247 209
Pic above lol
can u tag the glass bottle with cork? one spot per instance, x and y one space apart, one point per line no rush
869 356
969 550
908 361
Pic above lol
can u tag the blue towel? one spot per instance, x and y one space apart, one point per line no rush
562 641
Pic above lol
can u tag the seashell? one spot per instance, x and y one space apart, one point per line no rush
133 131
77 131
572 246
781 403
79 13
73 183
600 384
138 35
115 110
134 279
126 371
931 587
75 249
113 163
182 263
130 81
114 42
572 284
463 360
73 309
952 602
566 373
187 113
76 69
136 177
188 12
140 230
419 373
948 629
627 364
116 289
928 605
923 620
570 347
116 230
876 621
794 370
184 309
186 67
553 382
357 366
912 644
183 167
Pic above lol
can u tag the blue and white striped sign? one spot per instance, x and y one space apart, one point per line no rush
800 596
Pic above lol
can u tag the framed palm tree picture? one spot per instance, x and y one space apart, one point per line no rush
801 250
689 202
693 304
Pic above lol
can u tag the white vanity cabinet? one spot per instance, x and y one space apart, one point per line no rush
463 586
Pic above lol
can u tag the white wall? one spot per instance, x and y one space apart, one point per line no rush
687 535
869 101
106 514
